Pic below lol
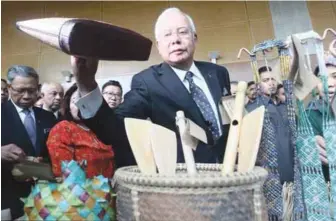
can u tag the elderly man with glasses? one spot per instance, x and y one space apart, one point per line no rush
24 131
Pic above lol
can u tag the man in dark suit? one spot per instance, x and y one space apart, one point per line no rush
52 95
179 83
24 131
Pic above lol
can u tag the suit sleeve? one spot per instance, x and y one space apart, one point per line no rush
225 80
109 125
59 146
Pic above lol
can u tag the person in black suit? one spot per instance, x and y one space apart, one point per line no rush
179 83
24 131
52 95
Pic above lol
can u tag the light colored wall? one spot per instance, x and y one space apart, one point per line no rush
221 26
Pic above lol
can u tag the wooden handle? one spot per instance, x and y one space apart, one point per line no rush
233 138
187 150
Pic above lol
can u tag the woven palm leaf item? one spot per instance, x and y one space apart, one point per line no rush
75 198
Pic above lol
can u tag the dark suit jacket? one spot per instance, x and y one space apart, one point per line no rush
14 132
158 93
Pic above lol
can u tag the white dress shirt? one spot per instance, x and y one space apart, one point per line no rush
90 103
22 114
56 114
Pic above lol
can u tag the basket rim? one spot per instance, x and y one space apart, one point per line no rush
131 175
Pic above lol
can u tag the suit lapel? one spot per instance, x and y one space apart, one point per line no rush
39 131
20 131
179 94
211 79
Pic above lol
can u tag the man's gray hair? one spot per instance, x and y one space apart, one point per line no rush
22 71
45 86
168 10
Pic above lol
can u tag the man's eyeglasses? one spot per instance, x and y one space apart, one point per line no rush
118 96
181 32
23 90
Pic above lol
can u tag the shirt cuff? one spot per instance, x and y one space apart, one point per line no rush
89 104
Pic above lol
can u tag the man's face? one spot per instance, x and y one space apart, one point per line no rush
281 95
267 84
53 96
251 92
23 91
175 40
331 71
234 88
4 92
112 95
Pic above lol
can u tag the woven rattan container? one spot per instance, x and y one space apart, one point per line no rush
206 196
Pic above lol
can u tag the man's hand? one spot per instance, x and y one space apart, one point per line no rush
84 70
320 143
12 153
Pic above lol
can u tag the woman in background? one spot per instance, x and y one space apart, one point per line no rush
70 139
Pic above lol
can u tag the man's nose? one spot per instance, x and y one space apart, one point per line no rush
58 97
176 39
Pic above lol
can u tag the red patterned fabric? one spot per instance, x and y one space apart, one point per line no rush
68 141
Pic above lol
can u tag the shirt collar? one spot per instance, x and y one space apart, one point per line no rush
319 105
266 99
182 73
20 109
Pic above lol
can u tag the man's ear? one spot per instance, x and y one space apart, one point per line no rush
195 37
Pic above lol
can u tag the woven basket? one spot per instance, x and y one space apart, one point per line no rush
206 196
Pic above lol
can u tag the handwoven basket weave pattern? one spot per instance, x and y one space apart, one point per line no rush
206 196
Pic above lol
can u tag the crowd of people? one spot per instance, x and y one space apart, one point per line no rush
86 122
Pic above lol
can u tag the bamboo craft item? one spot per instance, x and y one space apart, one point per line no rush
234 132
187 147
138 133
164 146
249 140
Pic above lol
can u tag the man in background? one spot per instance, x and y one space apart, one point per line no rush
52 96
280 94
112 93
251 92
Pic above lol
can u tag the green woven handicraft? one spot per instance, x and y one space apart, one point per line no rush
314 186
76 198
328 125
